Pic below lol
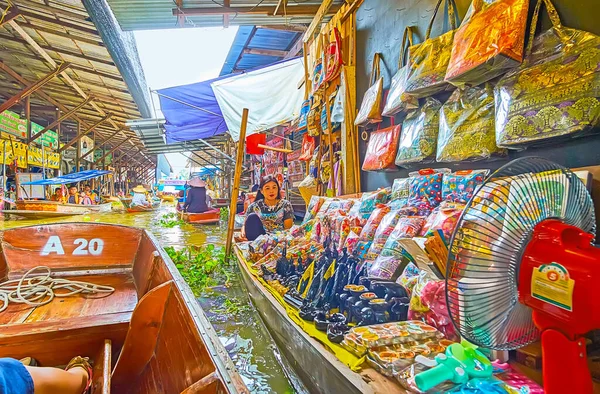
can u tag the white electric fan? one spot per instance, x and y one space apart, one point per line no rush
522 266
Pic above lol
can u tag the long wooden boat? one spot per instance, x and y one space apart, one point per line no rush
139 208
54 206
167 197
40 214
210 217
319 369
149 336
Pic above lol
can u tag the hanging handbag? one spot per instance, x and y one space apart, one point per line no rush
489 41
303 118
334 57
467 126
308 147
314 118
419 134
381 149
428 61
370 109
334 125
555 92
398 100
337 111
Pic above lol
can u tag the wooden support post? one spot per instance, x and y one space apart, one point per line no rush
78 150
10 15
101 160
26 92
27 116
226 3
59 119
84 133
236 183
328 114
103 142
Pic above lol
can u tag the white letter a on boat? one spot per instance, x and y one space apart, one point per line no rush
53 246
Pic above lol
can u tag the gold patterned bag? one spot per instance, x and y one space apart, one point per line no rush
467 126
428 61
419 135
555 92
370 108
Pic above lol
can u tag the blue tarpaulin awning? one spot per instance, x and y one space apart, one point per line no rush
69 178
192 112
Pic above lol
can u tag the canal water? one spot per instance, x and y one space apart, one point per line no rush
243 334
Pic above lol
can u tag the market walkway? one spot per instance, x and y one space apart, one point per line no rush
245 337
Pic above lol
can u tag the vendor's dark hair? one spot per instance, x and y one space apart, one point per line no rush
263 182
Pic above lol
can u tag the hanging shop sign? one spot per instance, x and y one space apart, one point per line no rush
52 160
87 145
35 156
38 157
48 139
11 123
15 152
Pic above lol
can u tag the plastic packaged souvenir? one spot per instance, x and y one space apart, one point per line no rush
342 204
556 90
391 360
397 99
460 186
360 339
428 304
381 150
428 61
418 140
370 200
389 263
313 208
400 189
370 228
425 189
324 208
409 277
444 218
467 126
489 41
406 378
385 228
370 108
351 240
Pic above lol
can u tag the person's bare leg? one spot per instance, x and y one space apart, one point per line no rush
48 380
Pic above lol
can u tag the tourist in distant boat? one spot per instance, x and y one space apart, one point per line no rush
23 377
58 195
139 196
73 197
269 212
90 193
196 200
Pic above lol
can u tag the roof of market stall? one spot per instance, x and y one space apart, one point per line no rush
168 14
37 37
69 178
257 46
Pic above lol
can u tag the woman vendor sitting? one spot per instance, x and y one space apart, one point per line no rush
196 200
139 196
269 212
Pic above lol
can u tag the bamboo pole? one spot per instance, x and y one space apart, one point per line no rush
236 183
330 132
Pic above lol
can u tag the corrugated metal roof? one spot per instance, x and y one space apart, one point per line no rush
255 47
158 14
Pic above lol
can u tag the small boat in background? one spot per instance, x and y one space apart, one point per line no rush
40 214
139 208
167 197
209 217
148 335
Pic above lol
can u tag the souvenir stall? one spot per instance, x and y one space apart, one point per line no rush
453 276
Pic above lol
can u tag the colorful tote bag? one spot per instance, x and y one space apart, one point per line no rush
303 118
398 100
419 134
370 109
467 126
428 61
489 41
555 92
381 150
334 56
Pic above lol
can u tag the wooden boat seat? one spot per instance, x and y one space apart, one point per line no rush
93 318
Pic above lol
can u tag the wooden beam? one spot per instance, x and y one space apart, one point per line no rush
297 10
279 4
68 79
291 27
114 148
180 15
236 183
324 8
265 52
296 49
226 3
57 121
10 15
32 88
62 23
84 133
91 41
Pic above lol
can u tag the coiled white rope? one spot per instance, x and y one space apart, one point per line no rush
40 289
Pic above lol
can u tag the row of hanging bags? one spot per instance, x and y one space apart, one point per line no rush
370 108
397 99
489 41
556 90
428 61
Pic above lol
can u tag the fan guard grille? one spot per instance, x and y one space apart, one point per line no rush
490 237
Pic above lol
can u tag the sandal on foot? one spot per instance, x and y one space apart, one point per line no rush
29 362
82 362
